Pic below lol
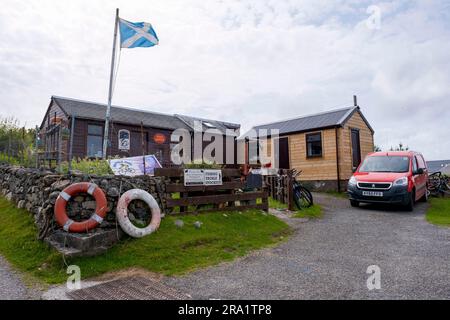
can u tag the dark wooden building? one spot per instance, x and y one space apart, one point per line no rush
132 132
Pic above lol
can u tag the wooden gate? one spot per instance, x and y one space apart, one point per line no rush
196 199
280 187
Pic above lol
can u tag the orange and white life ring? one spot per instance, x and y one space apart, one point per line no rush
100 210
124 220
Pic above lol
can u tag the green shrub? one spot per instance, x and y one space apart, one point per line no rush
88 166
203 165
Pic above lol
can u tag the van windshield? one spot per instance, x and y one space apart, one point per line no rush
385 164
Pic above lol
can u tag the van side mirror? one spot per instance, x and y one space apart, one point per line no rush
419 171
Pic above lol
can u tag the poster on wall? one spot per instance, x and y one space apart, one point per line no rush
135 166
124 140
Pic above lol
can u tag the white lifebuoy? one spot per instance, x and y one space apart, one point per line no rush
124 220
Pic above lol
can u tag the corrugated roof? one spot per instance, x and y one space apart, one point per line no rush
311 122
97 111
437 165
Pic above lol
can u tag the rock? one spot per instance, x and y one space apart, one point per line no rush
78 199
104 184
21 204
29 206
61 184
53 196
179 223
89 205
9 196
198 224
113 192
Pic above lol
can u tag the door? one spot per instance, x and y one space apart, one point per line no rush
282 156
356 148
420 176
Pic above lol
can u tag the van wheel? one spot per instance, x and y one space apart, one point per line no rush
410 204
354 203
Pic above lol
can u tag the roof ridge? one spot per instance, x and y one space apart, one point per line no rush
142 110
306 116
115 106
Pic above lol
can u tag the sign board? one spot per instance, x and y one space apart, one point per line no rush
213 177
124 140
134 166
193 177
202 177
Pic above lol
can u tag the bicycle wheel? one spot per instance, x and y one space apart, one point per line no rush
302 197
434 183
446 183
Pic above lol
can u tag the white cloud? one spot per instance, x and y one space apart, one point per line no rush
240 61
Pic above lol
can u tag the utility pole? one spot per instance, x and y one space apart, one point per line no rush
110 92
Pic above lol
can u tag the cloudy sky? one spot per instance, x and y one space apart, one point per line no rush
249 62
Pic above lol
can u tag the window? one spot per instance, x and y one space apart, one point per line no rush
421 162
314 145
414 164
385 164
356 148
208 124
95 141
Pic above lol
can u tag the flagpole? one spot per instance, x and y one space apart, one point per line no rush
111 79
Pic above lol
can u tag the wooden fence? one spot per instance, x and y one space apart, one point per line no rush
196 199
280 187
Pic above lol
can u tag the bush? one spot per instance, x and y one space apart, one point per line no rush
203 165
88 166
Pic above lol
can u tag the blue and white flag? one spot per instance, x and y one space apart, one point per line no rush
137 34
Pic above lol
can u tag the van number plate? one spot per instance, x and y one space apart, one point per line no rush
372 193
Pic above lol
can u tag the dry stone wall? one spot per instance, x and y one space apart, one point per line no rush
36 191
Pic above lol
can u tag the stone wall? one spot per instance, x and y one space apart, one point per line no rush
36 191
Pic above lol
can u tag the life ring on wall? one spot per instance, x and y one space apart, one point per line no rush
124 220
100 210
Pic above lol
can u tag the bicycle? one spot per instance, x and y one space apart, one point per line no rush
438 184
302 196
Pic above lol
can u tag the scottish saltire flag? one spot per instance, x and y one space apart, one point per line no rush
136 34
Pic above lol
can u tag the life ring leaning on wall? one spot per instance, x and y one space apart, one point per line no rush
61 202
124 220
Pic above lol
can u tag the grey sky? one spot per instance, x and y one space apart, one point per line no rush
240 61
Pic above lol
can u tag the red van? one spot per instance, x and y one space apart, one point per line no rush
398 177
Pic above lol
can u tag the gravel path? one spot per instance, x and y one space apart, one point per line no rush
328 259
12 286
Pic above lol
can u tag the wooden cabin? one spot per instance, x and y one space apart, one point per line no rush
132 132
326 146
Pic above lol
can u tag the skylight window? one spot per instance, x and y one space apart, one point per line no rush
208 124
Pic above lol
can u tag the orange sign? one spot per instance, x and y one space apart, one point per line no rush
159 138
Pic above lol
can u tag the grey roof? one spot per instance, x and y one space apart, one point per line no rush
97 111
437 165
327 119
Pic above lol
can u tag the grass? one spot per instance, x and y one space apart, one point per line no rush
439 211
275 204
170 251
315 211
